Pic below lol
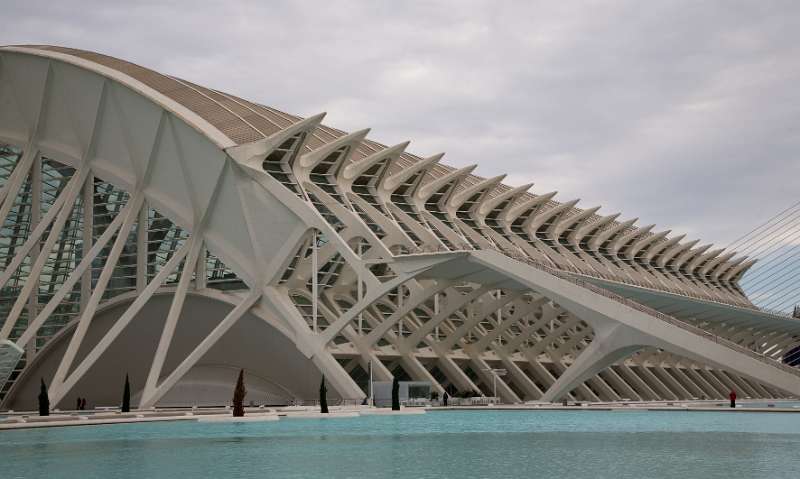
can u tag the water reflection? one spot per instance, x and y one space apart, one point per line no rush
437 445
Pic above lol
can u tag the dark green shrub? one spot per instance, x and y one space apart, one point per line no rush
44 401
323 397
238 396
126 396
395 394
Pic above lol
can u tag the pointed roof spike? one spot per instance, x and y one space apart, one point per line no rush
491 203
630 235
562 225
654 248
312 158
712 263
676 251
705 257
735 273
580 232
689 255
253 153
485 184
391 183
535 222
601 237
726 265
515 211
426 190
353 170
641 243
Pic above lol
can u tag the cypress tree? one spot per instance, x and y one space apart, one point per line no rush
44 401
126 396
323 397
395 394
238 396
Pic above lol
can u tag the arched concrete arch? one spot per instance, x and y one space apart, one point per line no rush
274 368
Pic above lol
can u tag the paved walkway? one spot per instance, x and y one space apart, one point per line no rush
29 419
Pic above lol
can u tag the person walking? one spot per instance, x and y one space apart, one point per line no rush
732 395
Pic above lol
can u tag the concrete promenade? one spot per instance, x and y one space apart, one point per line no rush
29 419
620 407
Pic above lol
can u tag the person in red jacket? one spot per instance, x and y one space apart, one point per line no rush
732 395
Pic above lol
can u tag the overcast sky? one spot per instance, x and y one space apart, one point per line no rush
684 114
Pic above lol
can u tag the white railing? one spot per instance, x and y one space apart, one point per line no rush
471 401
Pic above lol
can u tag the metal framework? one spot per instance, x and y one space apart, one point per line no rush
173 232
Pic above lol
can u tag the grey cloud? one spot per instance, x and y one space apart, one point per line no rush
681 113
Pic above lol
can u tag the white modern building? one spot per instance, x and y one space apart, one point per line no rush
174 233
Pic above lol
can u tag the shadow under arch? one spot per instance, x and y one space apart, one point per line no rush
275 367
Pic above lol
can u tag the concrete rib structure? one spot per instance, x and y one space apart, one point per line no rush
176 233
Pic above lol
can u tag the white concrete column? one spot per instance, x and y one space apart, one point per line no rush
611 344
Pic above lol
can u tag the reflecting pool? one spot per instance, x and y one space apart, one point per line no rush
447 444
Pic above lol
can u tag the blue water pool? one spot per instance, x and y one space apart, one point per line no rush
459 444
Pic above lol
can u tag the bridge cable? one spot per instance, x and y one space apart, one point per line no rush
764 242
744 238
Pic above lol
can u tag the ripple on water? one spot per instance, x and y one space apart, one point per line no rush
465 444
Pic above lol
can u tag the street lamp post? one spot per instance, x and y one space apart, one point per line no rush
371 397
495 374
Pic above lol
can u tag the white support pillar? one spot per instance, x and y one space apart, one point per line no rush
17 179
436 313
686 381
314 283
454 303
36 217
201 274
172 317
528 387
582 390
360 291
455 374
742 385
670 381
34 238
74 277
610 344
418 371
52 237
612 378
475 317
149 398
142 227
724 379
14 173
123 321
721 388
489 376
653 381
88 237
99 290
709 391
637 383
